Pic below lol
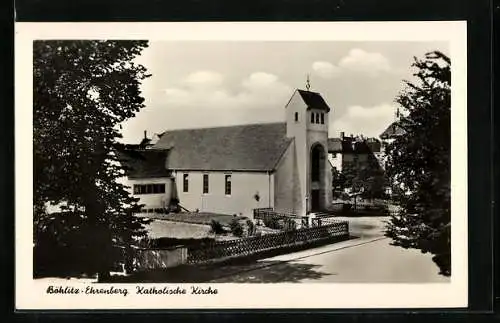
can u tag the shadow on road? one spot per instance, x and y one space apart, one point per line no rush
277 272
270 271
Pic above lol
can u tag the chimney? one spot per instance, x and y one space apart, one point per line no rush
145 134
342 134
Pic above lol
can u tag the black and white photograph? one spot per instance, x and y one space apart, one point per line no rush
164 166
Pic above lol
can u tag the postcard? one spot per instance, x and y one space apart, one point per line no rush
241 165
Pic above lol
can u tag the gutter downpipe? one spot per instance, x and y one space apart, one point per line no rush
269 192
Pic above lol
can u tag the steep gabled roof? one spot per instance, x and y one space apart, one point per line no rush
393 130
253 147
314 100
143 163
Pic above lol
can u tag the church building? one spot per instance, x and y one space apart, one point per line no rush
235 169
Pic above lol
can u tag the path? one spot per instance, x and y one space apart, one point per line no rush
369 258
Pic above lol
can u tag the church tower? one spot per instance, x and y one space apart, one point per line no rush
307 122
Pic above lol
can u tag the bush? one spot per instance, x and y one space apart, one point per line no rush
251 228
236 228
216 227
289 224
272 223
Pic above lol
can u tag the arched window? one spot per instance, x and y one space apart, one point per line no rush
296 116
312 117
317 117
322 118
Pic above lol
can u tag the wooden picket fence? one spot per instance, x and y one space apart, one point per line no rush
222 250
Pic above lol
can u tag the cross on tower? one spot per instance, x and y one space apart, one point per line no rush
308 83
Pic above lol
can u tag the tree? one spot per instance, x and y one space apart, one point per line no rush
82 91
419 162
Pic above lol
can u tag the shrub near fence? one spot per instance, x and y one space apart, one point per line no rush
279 220
222 250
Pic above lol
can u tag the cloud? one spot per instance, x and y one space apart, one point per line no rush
203 79
325 69
202 99
258 90
259 80
360 61
368 121
357 61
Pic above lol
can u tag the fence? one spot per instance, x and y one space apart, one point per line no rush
284 220
266 212
150 259
222 250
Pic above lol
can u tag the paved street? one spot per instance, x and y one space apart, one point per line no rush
369 258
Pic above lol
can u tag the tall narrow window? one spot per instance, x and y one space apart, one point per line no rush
205 183
228 185
322 118
296 116
185 183
312 117
317 117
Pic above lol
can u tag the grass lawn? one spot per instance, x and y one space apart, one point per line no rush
178 230
192 217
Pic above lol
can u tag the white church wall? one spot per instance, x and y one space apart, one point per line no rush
298 131
244 187
287 192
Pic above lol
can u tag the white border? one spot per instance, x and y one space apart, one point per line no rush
30 294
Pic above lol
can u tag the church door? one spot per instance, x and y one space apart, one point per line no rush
317 177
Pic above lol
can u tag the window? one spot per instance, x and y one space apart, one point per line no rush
317 117
312 117
149 189
228 185
158 188
296 116
322 118
185 183
205 183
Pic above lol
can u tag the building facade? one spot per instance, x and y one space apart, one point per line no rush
235 169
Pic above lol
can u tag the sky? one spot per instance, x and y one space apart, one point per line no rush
198 84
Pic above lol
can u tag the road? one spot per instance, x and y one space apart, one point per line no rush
368 258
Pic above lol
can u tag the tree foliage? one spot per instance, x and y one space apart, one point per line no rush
419 162
82 92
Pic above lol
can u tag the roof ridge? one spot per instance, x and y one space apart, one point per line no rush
229 126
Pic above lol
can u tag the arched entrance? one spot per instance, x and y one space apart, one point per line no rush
317 178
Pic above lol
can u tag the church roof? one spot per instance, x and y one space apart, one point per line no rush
143 163
314 100
253 147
